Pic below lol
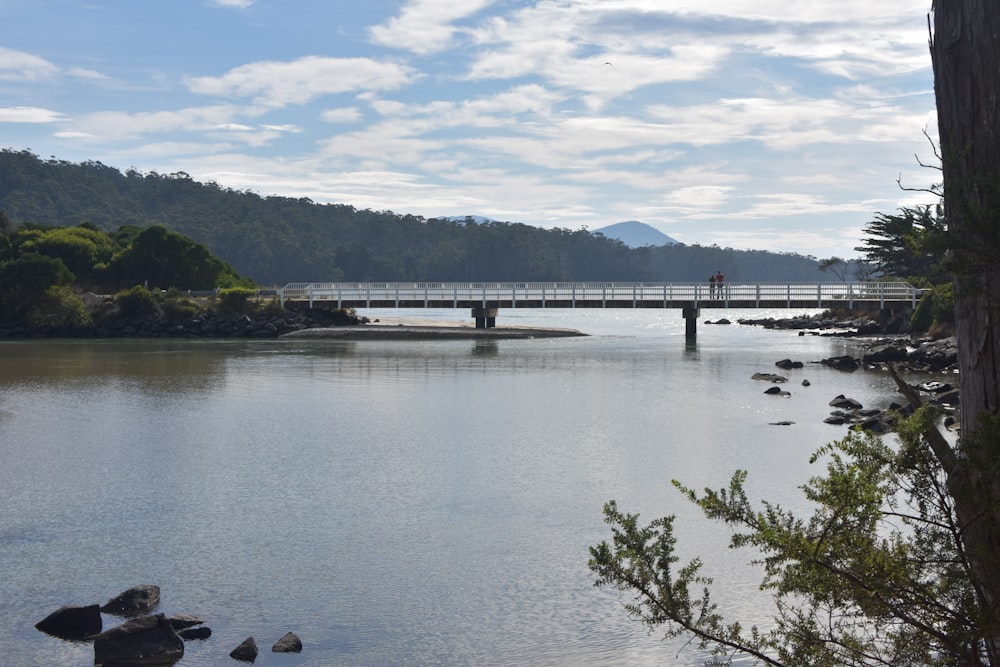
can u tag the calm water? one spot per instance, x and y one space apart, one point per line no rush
393 503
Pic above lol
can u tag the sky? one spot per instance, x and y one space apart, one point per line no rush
750 124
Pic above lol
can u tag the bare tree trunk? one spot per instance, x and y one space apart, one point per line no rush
965 50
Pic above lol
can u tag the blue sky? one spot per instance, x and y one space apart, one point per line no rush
762 124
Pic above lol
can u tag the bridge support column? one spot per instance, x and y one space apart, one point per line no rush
885 315
486 318
691 321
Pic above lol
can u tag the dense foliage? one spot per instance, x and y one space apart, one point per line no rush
276 240
908 245
41 266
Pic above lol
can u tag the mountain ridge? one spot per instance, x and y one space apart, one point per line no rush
276 240
636 234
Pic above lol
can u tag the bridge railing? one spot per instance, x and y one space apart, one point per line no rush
590 293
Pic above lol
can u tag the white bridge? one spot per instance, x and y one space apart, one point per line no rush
485 298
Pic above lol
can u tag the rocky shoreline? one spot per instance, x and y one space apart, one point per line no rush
879 347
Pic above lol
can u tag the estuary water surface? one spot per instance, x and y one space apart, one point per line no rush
393 503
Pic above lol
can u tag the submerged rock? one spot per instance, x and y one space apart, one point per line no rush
769 377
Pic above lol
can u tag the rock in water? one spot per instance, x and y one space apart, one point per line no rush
137 600
290 643
72 622
195 633
246 651
147 640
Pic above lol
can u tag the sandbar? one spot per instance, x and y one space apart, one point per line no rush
398 328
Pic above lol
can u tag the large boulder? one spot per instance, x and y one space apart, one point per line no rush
843 402
137 600
290 643
72 622
246 651
146 640
887 353
842 363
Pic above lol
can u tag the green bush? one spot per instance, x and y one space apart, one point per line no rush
180 308
136 302
936 307
59 308
25 281
236 300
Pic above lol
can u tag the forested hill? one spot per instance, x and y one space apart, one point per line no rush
276 240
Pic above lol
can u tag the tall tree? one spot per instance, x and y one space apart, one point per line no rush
966 57
965 50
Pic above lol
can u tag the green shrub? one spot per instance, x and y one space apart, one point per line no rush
24 282
936 307
59 308
136 302
236 300
181 308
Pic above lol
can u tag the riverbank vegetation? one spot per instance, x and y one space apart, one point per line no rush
57 280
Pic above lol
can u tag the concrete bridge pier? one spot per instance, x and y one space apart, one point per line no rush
690 321
486 318
885 315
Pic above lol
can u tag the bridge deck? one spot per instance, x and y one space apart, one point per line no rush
602 295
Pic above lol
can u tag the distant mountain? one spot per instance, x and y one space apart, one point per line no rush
636 234
478 219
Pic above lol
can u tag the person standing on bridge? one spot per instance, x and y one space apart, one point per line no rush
719 280
711 286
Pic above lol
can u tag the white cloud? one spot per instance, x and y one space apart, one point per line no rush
29 115
21 66
86 74
117 126
236 4
277 84
291 129
342 115
425 26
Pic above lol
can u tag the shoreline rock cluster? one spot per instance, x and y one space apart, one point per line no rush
145 638
827 324
917 357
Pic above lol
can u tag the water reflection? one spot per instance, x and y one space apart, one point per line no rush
488 348
149 367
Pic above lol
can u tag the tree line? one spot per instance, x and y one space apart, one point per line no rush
275 240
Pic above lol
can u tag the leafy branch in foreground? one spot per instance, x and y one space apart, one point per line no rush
876 575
